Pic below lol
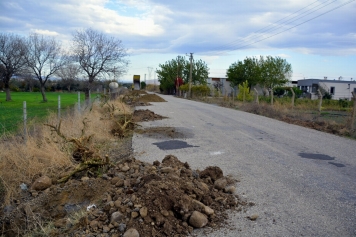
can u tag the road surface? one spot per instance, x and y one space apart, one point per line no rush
303 182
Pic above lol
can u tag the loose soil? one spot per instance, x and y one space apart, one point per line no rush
156 199
151 98
145 115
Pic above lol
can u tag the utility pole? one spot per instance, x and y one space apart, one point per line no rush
190 75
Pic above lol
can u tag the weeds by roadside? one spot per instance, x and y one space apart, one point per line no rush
46 153
334 118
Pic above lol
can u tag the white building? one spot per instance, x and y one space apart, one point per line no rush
337 88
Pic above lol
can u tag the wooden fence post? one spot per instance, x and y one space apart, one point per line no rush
256 95
25 121
353 115
320 101
293 97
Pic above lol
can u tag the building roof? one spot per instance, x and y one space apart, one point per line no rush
323 80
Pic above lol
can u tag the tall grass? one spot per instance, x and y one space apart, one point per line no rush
45 153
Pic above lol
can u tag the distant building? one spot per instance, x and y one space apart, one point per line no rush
337 88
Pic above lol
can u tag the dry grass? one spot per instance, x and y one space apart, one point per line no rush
45 153
305 113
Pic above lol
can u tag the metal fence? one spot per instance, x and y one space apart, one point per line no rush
20 121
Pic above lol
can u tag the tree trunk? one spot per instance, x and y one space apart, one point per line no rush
271 91
43 92
293 97
7 89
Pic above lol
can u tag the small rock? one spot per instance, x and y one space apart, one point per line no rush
134 214
106 229
198 219
165 213
23 187
85 179
220 183
94 224
126 182
208 210
114 180
41 183
117 203
125 168
122 227
105 176
143 211
131 233
116 217
253 217
230 189
119 183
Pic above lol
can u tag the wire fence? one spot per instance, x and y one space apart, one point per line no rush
22 120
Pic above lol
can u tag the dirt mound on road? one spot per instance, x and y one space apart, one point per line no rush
164 199
151 98
145 115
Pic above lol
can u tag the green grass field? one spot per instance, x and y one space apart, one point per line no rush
11 112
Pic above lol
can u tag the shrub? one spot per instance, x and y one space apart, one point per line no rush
244 90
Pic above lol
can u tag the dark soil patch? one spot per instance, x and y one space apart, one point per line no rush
145 115
161 132
155 200
151 98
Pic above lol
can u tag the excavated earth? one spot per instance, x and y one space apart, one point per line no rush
130 198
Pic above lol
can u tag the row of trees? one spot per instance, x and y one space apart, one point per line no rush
92 54
180 67
28 83
268 72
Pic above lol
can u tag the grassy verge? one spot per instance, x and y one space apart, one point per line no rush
11 112
334 118
46 153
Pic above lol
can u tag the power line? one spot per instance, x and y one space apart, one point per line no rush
272 25
267 37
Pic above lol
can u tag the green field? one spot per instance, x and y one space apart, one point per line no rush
11 112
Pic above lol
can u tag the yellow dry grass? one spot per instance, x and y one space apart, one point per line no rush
45 153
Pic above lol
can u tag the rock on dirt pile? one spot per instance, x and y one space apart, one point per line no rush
137 199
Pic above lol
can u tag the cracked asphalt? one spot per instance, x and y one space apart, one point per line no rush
302 181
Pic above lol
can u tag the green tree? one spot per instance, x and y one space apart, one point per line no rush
244 92
143 85
241 71
274 72
180 67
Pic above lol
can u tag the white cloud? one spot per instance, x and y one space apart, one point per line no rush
44 32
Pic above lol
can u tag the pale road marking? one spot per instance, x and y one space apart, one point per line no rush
214 153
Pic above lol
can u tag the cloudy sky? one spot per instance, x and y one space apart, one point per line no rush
317 37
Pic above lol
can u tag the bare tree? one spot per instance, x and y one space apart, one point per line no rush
98 54
12 54
68 74
44 58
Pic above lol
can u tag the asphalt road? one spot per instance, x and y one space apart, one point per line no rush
302 181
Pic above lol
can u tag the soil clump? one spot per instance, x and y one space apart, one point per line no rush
151 98
145 115
165 198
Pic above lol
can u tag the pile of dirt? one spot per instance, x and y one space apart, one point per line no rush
132 197
161 132
150 98
145 115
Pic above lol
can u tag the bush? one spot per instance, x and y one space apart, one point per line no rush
298 92
327 96
244 89
14 89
